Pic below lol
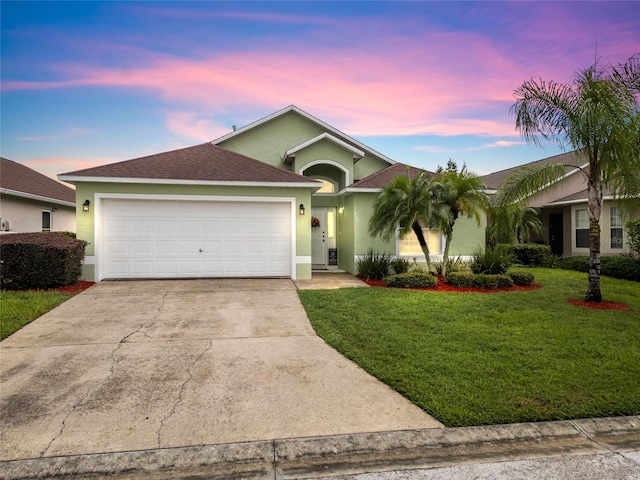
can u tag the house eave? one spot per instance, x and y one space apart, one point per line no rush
169 181
40 198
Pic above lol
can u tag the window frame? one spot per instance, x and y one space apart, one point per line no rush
427 233
618 228
581 229
50 215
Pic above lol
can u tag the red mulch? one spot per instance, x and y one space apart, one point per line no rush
603 305
73 289
441 286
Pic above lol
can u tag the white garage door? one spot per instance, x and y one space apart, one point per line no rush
181 239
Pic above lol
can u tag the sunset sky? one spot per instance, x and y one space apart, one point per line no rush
88 83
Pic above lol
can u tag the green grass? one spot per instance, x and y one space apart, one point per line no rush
478 359
19 308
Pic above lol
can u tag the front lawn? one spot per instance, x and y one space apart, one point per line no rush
477 359
19 308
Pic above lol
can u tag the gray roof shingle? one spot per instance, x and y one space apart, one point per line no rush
18 177
204 162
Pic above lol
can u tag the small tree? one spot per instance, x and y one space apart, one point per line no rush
408 203
633 234
513 222
457 193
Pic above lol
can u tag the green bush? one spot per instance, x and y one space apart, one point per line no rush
478 280
460 279
399 265
374 265
579 264
521 277
491 261
633 234
620 266
39 260
456 264
411 280
527 253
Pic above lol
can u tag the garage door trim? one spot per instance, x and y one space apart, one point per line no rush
99 256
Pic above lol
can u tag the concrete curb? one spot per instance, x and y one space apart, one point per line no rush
345 454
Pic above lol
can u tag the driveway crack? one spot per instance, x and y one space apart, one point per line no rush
146 325
180 394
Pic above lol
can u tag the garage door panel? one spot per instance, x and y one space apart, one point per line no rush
161 238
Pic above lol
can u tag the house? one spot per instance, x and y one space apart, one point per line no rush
564 214
32 202
244 205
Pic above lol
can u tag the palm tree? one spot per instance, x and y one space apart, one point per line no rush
513 221
598 116
457 193
407 202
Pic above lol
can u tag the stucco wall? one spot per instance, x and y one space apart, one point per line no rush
25 215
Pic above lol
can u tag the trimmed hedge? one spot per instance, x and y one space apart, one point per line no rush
527 253
39 260
411 280
521 277
478 280
619 266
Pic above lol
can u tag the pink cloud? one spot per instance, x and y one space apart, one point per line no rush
434 82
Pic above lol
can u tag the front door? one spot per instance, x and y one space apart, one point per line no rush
556 239
323 236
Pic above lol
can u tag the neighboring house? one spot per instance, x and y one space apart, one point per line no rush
243 205
32 202
563 210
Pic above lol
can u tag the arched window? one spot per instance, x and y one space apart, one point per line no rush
327 186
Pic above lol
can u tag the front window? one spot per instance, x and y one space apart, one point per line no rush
616 227
409 244
46 220
582 228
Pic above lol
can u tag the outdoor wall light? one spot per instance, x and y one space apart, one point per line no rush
341 210
301 209
85 206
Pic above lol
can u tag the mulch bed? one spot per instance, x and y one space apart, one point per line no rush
442 286
603 305
73 289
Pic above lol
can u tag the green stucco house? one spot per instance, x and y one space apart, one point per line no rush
280 197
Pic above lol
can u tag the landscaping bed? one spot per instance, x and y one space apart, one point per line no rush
443 286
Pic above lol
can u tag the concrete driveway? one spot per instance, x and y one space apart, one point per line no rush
140 365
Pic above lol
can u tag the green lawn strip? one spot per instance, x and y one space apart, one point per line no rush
19 308
477 359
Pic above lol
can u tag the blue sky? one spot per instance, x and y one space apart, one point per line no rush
88 83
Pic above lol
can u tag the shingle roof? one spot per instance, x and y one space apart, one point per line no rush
569 159
204 162
383 177
17 177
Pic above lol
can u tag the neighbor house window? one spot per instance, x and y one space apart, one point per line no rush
582 228
616 227
409 244
46 220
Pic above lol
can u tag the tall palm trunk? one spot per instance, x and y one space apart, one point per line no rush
417 229
594 192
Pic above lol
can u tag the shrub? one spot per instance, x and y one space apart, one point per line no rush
374 265
527 253
619 266
491 261
552 261
579 264
399 265
521 277
478 280
411 280
456 264
40 260
460 279
633 234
